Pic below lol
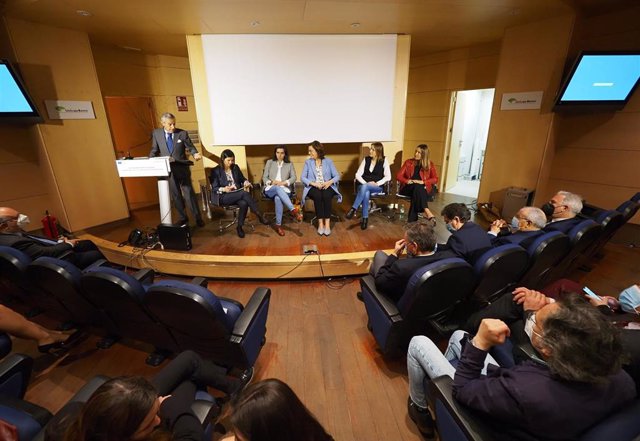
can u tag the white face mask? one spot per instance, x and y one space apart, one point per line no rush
529 324
23 220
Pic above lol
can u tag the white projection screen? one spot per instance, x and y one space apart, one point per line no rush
292 89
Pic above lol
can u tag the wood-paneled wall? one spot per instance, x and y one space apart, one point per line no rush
598 154
432 79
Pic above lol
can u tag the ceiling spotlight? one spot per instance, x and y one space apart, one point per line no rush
84 13
355 25
255 23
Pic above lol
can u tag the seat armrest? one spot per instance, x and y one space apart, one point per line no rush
15 371
467 421
145 275
235 302
260 295
387 305
205 411
97 264
89 388
200 281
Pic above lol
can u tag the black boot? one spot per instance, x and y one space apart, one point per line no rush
351 213
240 231
363 223
262 218
422 418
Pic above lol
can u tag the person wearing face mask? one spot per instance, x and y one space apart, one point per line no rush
562 210
525 227
576 381
467 238
391 273
81 253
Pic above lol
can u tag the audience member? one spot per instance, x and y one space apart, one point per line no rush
391 273
81 253
526 226
562 211
133 408
372 174
320 178
228 186
467 239
270 410
417 177
16 325
578 382
279 177
173 142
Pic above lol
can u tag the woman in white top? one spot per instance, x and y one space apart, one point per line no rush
278 178
372 174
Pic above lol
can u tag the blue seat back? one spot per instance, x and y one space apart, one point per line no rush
628 209
544 252
624 424
13 280
497 270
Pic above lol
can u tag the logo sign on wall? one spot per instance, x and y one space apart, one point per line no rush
181 102
58 109
521 101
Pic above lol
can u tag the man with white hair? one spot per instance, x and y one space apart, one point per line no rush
173 142
563 209
526 226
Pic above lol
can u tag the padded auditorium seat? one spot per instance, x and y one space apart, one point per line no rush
582 238
430 296
544 252
219 329
121 297
497 270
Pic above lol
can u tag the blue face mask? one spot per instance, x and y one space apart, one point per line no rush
515 223
450 228
630 299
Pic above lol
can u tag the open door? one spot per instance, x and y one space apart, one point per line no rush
131 120
470 119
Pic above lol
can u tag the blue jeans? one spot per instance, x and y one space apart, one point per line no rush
424 358
280 197
364 191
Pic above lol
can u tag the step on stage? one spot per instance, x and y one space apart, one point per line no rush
262 254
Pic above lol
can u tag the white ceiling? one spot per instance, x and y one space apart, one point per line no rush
159 26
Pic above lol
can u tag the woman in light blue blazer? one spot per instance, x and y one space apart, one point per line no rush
320 179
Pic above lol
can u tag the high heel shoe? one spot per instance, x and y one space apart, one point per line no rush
240 232
351 213
70 341
263 219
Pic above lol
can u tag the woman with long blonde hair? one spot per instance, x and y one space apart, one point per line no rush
417 177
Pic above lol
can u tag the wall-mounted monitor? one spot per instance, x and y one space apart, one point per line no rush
600 79
16 106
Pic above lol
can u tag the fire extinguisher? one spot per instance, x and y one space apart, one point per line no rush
50 225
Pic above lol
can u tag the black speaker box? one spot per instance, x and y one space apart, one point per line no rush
175 237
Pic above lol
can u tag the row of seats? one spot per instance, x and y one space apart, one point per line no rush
31 420
441 295
171 315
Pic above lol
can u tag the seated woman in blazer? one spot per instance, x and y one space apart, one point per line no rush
320 179
417 177
278 178
227 185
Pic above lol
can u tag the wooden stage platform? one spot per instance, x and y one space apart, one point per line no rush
262 254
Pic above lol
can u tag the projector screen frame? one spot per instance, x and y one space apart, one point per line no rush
32 117
591 105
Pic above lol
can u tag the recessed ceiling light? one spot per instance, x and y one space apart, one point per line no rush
84 13
355 25
255 23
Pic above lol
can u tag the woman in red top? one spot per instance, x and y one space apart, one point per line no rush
417 177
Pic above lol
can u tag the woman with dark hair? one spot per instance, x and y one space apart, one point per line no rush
320 179
228 186
372 174
270 410
417 177
278 178
132 408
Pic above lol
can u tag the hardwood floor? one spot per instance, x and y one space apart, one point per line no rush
317 342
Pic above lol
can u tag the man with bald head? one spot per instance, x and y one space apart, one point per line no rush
81 253
526 226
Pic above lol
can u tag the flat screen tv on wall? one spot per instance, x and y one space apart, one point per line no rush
16 106
600 80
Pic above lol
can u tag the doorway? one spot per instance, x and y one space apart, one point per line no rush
131 120
469 128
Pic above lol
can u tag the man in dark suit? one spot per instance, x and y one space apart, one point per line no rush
392 273
467 239
563 209
173 142
81 253
526 226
